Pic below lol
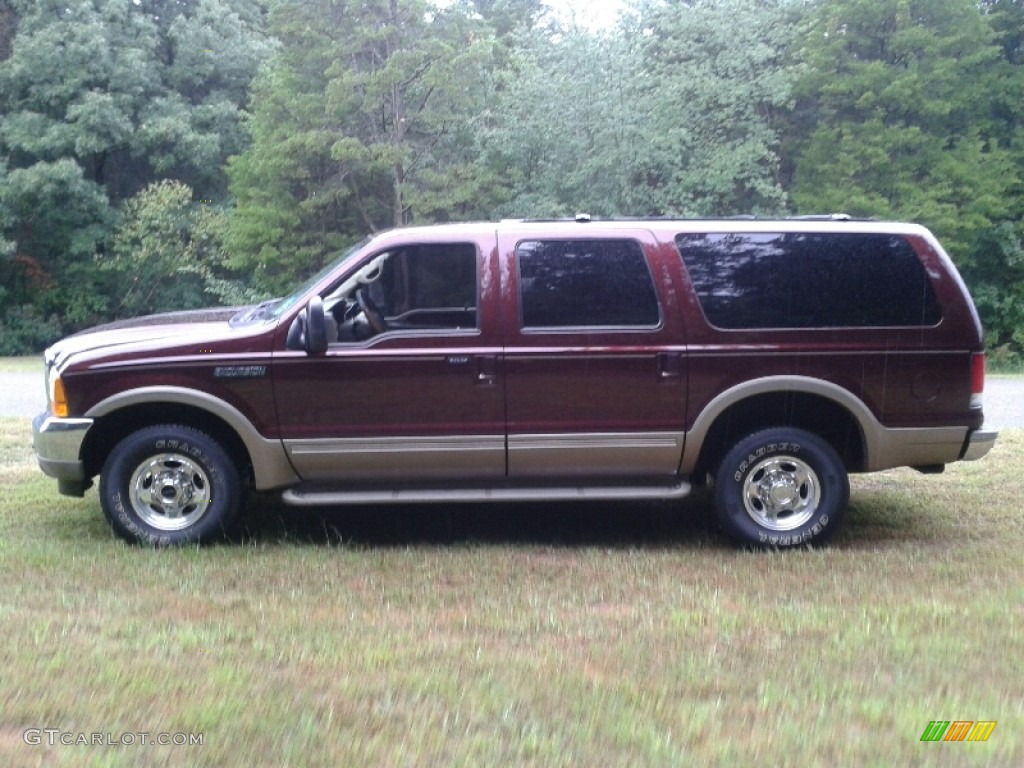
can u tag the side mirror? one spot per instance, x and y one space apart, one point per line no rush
309 329
316 327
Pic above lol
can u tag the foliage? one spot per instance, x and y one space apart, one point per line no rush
129 90
669 116
547 146
996 276
166 254
98 98
359 124
900 129
25 328
368 114
56 220
713 78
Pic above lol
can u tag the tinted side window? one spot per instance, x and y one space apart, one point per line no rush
585 283
428 287
429 277
808 280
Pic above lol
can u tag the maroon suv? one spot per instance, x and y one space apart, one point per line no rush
539 360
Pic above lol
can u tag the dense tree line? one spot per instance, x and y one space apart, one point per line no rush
159 154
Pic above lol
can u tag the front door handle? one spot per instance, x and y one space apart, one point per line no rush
670 365
487 371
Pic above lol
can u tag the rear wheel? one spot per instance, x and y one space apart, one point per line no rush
169 485
781 488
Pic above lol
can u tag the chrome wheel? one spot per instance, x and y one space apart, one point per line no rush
781 493
169 491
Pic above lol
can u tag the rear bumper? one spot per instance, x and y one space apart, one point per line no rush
58 447
978 443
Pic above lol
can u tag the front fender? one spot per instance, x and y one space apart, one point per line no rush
270 464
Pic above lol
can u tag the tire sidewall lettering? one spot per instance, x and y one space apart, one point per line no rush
794 539
754 457
192 451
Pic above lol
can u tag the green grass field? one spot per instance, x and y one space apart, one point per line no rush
627 635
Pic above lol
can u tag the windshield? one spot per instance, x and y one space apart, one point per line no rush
274 308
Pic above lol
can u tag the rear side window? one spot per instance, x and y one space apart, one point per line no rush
766 280
585 283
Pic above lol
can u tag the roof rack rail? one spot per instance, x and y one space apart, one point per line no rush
822 217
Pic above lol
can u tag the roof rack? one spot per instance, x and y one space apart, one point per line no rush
822 217
586 218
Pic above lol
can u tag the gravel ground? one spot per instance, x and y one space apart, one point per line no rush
1004 402
23 395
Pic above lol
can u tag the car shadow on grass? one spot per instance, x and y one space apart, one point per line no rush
569 524
875 520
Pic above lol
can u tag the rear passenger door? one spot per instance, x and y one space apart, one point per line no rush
594 365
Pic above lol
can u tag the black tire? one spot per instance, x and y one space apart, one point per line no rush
781 488
169 485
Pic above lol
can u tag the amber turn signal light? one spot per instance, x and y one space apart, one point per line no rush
60 399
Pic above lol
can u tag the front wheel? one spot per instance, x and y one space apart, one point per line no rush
781 488
169 485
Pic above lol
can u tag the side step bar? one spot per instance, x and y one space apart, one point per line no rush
317 496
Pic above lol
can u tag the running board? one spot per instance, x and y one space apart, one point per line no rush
325 496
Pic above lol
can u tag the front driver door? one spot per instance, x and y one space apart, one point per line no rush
411 391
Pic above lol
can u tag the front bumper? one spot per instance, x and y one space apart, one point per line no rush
58 447
979 442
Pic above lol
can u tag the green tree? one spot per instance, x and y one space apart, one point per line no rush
672 113
360 123
901 98
714 77
553 138
53 218
166 254
8 26
98 98
506 17
996 269
996 279
1007 19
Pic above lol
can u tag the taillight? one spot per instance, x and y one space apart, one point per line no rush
977 378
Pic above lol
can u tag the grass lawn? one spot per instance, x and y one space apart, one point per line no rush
591 636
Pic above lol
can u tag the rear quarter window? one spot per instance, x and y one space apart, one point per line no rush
808 280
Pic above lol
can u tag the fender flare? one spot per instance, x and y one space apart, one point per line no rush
270 464
870 428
